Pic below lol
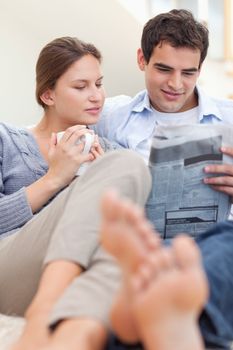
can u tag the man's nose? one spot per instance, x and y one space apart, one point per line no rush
175 81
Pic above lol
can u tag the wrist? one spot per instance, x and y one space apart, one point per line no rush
52 184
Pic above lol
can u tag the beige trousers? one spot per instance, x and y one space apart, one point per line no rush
68 228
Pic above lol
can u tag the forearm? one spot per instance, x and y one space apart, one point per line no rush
41 191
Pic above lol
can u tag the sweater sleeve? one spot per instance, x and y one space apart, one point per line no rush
14 211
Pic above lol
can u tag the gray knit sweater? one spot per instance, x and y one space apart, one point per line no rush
21 164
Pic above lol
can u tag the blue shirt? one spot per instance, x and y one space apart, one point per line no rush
130 122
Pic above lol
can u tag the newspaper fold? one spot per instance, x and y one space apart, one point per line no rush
179 200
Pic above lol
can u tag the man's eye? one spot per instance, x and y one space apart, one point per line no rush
189 73
165 70
79 87
99 85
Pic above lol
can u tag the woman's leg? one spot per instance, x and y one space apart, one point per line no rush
72 220
75 237
55 279
22 255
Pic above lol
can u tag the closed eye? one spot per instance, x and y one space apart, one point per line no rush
165 70
189 73
99 85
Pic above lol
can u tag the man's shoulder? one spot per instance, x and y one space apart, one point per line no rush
223 102
117 112
123 102
221 107
224 107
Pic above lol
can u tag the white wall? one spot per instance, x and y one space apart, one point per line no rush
27 25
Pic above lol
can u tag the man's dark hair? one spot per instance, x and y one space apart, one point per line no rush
178 28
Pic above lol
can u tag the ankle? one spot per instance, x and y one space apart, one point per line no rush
37 310
82 333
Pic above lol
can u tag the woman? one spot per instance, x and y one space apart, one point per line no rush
50 256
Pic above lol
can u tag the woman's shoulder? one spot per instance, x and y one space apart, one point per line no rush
12 137
7 129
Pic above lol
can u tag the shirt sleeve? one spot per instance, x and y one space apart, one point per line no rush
108 145
110 111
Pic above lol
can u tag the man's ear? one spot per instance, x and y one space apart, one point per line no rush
47 97
141 59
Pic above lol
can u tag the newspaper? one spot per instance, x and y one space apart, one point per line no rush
179 200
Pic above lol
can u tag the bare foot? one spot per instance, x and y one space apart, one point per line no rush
129 237
167 295
125 233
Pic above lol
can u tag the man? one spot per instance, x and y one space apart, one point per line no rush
173 48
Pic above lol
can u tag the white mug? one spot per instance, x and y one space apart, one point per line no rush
88 140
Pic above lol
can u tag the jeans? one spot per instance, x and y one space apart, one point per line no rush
216 320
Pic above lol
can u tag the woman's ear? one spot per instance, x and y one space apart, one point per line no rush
47 97
141 59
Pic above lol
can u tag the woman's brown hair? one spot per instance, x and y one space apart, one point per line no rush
55 58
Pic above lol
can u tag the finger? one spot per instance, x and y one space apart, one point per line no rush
98 148
219 180
53 139
96 138
86 158
219 169
76 130
227 150
76 137
78 147
72 139
224 189
95 153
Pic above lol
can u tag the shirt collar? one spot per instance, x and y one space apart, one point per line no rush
142 103
207 108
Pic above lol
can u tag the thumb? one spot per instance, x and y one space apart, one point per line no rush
53 139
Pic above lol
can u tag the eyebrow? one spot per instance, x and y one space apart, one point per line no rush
85 80
164 66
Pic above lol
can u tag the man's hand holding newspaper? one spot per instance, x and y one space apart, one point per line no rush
181 160
223 182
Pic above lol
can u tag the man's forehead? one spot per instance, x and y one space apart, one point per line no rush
182 57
